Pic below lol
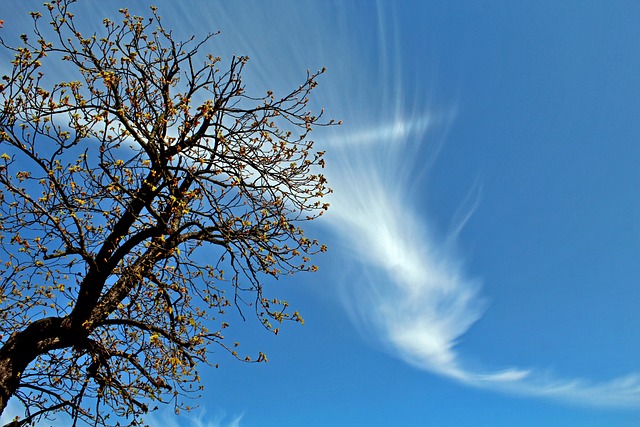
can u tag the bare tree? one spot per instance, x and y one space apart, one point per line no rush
114 188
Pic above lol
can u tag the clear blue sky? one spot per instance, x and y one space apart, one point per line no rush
484 261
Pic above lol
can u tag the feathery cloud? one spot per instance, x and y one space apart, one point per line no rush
412 290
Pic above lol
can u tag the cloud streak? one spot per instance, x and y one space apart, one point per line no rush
410 287
198 418
407 289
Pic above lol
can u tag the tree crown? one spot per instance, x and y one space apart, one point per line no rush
137 204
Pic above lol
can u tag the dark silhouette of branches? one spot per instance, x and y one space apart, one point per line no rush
114 189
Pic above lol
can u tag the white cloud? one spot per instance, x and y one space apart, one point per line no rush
412 290
200 418
13 410
164 417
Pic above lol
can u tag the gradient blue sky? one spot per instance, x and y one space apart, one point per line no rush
485 232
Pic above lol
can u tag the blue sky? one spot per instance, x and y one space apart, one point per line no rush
484 234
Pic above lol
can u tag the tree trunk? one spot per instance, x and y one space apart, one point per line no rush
24 347
10 369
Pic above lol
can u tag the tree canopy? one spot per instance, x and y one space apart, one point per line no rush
138 203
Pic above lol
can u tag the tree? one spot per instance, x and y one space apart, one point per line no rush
114 187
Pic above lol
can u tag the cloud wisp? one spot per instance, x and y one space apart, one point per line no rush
198 418
409 287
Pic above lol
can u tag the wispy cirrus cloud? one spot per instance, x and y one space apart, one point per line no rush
198 418
410 289
164 417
